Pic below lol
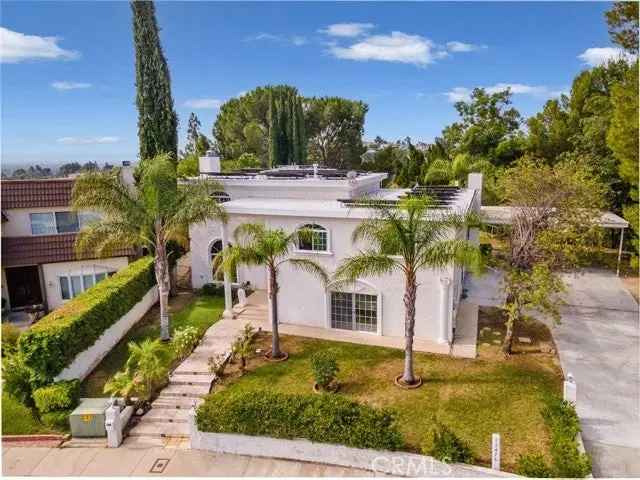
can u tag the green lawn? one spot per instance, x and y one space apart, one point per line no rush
475 398
18 419
200 311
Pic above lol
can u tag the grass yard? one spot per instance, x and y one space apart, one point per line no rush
18 419
187 309
474 397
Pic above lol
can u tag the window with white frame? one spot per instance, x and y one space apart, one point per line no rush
317 239
74 284
354 311
50 223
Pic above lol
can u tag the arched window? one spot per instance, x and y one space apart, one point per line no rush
317 239
215 249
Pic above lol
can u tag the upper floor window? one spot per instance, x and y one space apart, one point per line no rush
316 240
50 223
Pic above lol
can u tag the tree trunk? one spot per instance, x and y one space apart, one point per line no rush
162 278
273 300
409 324
513 314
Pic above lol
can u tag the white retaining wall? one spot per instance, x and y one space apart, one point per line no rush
85 362
381 461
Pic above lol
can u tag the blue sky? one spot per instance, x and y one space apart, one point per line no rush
68 74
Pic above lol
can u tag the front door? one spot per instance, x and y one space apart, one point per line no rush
23 284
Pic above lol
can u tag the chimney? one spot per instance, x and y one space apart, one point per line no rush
126 173
210 163
474 182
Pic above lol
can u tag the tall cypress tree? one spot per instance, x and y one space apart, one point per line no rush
287 139
157 120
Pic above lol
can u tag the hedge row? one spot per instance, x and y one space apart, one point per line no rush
57 396
320 418
51 344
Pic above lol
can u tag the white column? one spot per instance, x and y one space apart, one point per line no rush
445 297
194 434
228 302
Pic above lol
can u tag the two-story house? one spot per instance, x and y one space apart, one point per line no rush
40 266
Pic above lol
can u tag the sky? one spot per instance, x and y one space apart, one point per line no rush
68 81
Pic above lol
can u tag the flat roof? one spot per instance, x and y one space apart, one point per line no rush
502 214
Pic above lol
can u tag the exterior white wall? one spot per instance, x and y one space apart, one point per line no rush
86 361
303 299
51 272
18 222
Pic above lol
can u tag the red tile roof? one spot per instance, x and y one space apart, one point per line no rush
40 249
52 192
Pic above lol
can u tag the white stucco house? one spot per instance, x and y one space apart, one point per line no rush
325 200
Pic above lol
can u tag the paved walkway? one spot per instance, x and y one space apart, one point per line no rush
599 343
123 461
188 383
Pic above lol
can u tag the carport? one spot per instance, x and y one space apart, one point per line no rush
502 215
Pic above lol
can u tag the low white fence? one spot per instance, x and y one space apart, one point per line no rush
85 362
380 461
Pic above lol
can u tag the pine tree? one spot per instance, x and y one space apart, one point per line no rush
157 120
193 134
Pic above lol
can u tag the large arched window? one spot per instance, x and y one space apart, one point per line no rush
317 239
214 250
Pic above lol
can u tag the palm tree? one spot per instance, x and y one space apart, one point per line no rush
150 214
409 237
455 172
147 365
256 245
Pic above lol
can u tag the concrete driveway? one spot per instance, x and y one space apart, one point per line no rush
599 343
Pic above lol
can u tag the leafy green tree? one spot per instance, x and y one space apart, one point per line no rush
287 138
152 214
550 131
335 127
157 120
69 168
193 134
404 239
257 245
622 139
622 20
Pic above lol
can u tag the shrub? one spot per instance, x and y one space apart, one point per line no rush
324 367
319 418
51 344
486 249
533 466
10 336
58 420
217 364
17 378
57 396
448 447
243 345
184 340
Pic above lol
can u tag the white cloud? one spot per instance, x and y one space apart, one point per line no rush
347 29
297 40
202 103
16 47
460 47
70 85
597 56
87 140
397 47
459 94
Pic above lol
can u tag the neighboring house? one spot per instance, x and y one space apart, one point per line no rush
326 201
39 261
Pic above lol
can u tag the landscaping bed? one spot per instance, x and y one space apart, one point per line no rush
473 397
187 310
18 419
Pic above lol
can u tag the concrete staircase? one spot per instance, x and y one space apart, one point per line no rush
188 383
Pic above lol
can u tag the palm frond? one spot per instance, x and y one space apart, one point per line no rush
249 232
105 236
311 267
195 205
452 252
366 263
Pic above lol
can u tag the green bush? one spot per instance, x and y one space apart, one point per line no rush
10 336
57 396
58 420
319 418
567 461
17 378
533 466
486 249
324 367
184 340
447 447
51 344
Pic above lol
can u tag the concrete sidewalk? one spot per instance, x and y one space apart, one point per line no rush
57 462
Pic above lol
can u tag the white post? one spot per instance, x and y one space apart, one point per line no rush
495 451
194 433
620 252
113 425
228 302
445 292
570 389
242 297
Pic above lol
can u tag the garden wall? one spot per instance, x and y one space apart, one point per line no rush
86 361
393 463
